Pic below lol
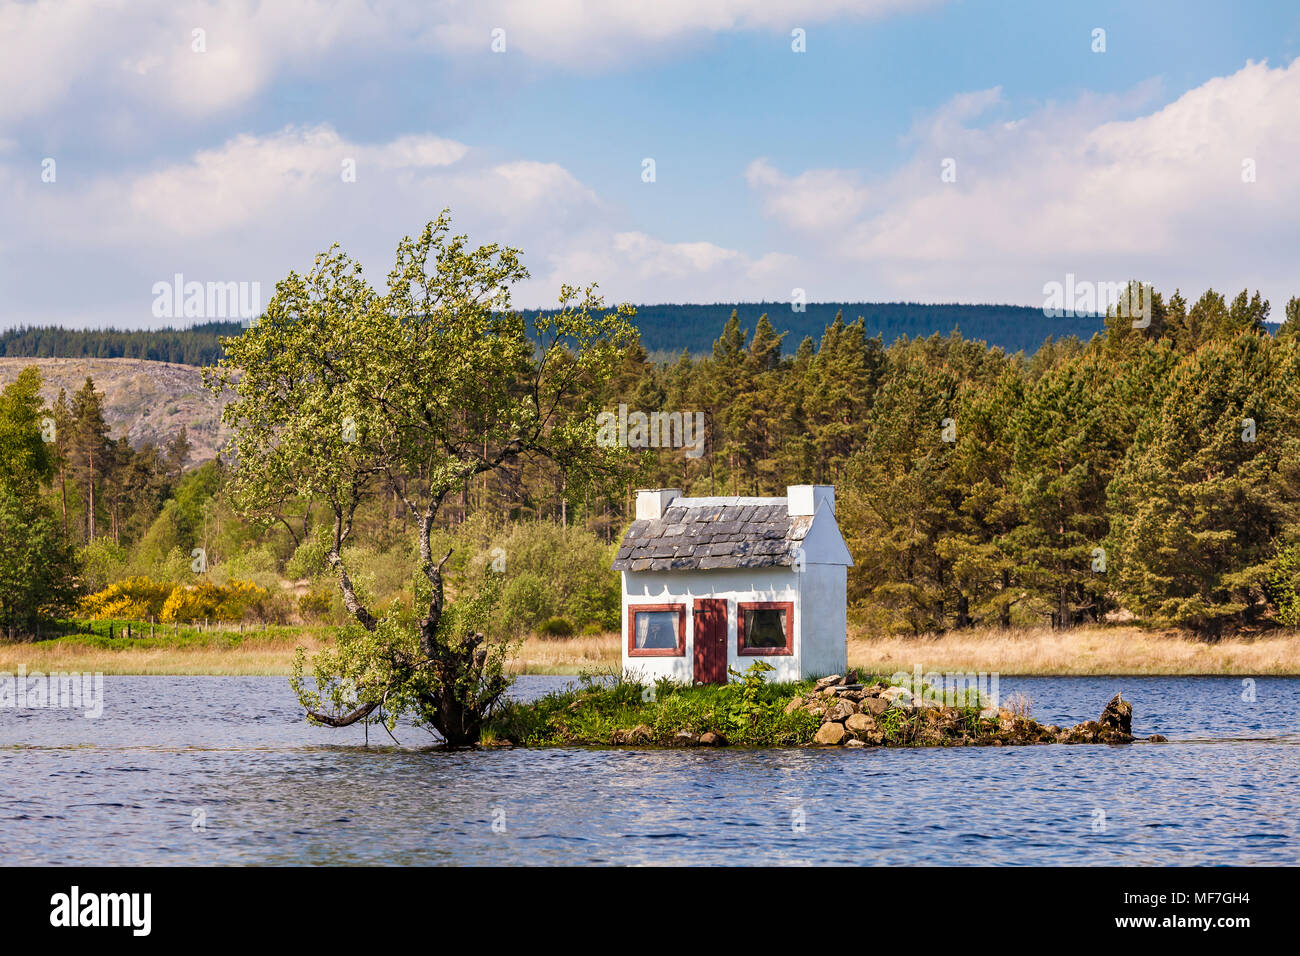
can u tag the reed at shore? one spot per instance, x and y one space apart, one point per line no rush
1079 652
1118 650
269 653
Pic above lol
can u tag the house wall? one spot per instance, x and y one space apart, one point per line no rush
825 632
820 588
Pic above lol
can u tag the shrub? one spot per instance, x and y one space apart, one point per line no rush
316 605
556 627
550 571
100 563
274 607
1284 586
525 603
175 565
214 602
135 599
309 558
379 576
598 602
256 565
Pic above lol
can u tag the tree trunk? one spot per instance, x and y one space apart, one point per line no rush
90 510
63 485
1004 612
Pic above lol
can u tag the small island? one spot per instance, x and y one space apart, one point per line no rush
852 710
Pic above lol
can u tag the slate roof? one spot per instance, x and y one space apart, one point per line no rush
699 534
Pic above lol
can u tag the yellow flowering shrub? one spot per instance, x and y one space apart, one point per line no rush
137 598
140 598
212 602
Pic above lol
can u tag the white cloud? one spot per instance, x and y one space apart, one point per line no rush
533 186
1104 187
637 267
585 33
143 51
814 200
1067 189
248 183
257 206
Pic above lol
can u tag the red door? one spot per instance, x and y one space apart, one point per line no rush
710 641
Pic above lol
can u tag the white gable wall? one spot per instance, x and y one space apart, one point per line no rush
823 544
825 631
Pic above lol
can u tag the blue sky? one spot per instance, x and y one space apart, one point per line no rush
775 170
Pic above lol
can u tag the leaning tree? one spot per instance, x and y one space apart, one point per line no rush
341 394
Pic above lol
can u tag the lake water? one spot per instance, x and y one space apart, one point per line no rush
234 754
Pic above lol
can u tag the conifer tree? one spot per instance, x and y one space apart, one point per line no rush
902 497
1208 488
982 569
89 449
1290 326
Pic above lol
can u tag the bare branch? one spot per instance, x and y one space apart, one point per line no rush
292 533
363 711
350 599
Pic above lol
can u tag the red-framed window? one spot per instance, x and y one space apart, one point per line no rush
764 628
656 630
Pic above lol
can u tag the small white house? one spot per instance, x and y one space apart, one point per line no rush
712 583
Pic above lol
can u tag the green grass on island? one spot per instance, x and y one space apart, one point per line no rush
609 709
857 709
606 708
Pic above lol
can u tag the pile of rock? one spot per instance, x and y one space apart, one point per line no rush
873 715
848 711
856 715
1114 726
643 734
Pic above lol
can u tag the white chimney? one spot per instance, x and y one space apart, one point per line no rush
806 499
652 503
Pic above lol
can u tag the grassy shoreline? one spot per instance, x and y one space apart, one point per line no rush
1115 650
1081 652
853 710
264 653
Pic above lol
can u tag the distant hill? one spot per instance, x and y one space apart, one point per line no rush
146 401
152 385
196 345
668 329
665 330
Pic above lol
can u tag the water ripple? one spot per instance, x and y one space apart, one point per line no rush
178 770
